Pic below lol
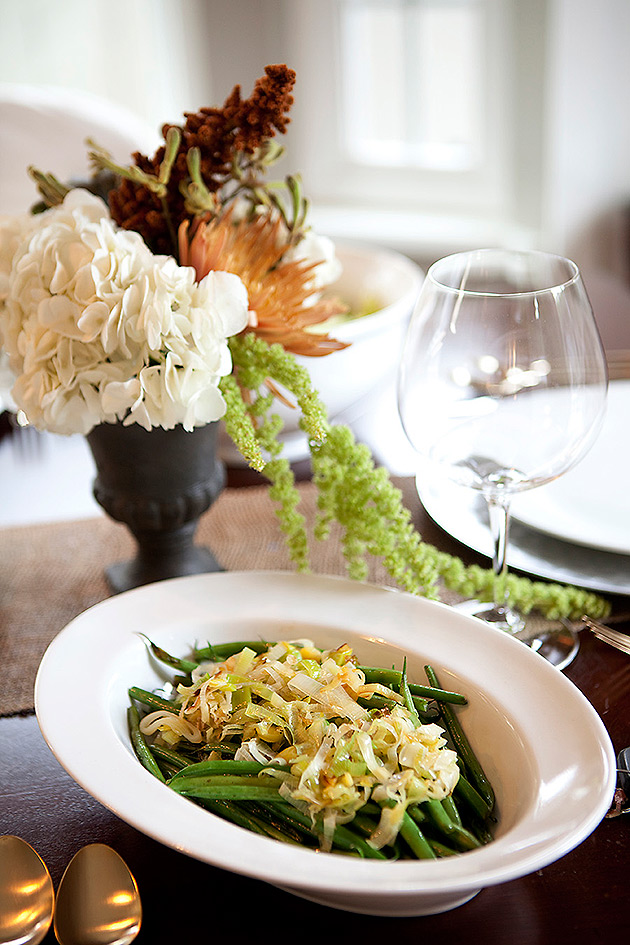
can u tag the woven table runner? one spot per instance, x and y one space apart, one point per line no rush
49 573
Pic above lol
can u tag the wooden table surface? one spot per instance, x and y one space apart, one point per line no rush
581 898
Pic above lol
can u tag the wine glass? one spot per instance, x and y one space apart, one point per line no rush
502 384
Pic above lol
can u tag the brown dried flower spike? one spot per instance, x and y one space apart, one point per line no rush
233 144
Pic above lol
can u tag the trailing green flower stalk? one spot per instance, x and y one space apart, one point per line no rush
356 495
369 508
255 430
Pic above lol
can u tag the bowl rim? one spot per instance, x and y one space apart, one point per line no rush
401 307
96 638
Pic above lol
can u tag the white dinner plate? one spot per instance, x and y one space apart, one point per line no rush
590 504
463 514
553 770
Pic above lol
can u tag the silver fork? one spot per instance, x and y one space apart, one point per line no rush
621 641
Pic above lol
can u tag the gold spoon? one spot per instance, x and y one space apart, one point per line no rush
97 901
26 894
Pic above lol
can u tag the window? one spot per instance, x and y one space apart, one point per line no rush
412 82
406 108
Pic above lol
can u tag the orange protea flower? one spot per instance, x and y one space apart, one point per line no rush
278 288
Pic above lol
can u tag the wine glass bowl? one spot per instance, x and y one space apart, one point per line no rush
502 383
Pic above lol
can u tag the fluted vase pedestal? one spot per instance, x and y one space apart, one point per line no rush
158 483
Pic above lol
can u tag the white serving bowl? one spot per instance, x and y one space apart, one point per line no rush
541 743
344 379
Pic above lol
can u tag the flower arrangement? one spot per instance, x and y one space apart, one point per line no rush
176 291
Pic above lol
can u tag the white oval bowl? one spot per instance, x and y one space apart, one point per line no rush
344 379
543 746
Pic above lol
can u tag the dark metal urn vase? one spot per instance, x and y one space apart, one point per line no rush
158 483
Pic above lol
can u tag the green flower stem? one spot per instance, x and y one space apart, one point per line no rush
357 495
101 160
51 190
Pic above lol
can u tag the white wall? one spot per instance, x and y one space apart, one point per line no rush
162 57
587 162
149 55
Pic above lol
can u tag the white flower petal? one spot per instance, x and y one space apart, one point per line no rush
227 297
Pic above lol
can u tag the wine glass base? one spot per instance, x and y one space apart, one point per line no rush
503 618
558 645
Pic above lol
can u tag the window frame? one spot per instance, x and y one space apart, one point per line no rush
505 192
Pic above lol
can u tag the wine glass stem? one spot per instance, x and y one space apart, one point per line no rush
499 514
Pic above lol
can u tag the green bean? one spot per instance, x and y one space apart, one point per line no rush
414 811
431 714
364 824
225 766
284 815
139 744
223 787
151 700
238 780
476 827
218 652
224 747
480 831
472 798
264 822
238 816
168 770
378 701
450 807
268 814
174 758
415 839
391 678
175 662
372 809
441 849
344 837
463 747
440 820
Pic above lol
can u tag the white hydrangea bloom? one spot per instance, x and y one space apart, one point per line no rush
98 329
13 229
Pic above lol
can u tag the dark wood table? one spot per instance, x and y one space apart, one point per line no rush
581 898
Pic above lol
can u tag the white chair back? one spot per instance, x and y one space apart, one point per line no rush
47 127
